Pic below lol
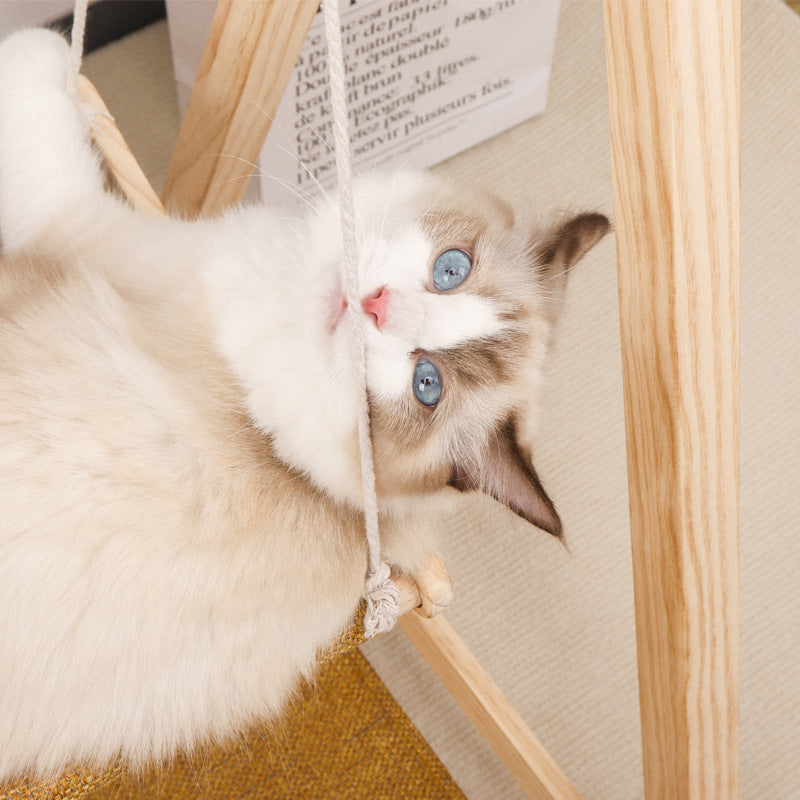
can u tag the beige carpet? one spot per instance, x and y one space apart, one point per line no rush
556 630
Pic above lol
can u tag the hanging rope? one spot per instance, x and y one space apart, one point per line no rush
76 42
381 595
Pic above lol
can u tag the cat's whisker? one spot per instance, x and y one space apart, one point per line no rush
239 178
260 172
311 201
247 426
256 172
301 194
292 151
323 192
385 210
388 202
255 167
559 276
400 229
284 132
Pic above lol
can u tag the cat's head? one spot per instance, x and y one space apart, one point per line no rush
458 302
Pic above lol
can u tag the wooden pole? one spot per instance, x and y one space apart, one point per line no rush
495 718
673 73
248 59
119 159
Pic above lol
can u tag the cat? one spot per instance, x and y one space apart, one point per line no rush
181 531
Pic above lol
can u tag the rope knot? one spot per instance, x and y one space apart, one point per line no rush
383 602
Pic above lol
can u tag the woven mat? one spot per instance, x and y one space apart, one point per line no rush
343 738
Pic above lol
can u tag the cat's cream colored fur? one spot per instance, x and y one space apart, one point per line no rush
180 524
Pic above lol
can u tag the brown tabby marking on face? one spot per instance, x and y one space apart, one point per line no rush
508 476
415 446
464 214
470 440
482 363
502 270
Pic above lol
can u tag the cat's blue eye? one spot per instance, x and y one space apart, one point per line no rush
451 268
427 383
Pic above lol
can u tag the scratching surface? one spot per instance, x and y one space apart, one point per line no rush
344 738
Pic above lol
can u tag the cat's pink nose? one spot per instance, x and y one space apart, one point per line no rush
376 305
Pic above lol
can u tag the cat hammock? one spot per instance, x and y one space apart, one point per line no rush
677 223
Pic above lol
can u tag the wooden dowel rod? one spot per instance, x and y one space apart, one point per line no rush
119 159
487 708
409 593
673 74
248 59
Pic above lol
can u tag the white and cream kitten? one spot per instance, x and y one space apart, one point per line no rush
180 532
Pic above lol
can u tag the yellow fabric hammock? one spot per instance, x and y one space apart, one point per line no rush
344 737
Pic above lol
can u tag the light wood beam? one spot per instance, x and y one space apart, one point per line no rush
118 158
495 718
248 59
674 73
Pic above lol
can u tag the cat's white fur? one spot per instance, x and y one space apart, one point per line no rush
180 531
258 305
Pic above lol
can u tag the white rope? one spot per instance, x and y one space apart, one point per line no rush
382 596
76 42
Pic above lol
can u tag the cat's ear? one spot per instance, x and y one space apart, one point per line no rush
566 243
508 476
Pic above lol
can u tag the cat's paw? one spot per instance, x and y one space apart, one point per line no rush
48 168
35 57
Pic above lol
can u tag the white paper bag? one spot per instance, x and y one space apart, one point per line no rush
426 79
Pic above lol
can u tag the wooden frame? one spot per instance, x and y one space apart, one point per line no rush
673 71
673 75
250 54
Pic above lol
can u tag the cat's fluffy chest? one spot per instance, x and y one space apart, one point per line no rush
163 526
273 295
